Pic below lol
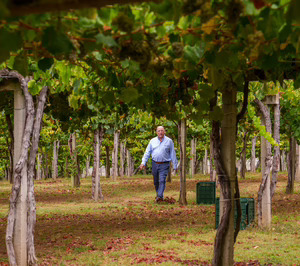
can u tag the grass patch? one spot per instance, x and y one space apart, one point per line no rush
128 227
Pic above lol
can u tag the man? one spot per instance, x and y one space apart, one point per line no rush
162 150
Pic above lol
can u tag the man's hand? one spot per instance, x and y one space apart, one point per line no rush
142 167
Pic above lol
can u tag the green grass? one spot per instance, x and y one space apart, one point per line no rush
128 227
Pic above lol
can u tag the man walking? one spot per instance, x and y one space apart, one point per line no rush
162 150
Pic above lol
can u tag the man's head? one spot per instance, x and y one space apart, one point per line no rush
160 131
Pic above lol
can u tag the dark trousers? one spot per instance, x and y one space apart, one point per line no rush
160 172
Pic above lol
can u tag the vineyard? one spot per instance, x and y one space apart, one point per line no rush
85 85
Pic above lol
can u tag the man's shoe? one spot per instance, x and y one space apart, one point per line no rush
159 200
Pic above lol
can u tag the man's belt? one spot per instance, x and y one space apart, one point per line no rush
161 162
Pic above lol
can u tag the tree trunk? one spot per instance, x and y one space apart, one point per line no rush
291 166
96 187
212 172
107 165
45 165
87 165
21 217
16 231
253 158
73 153
39 167
122 158
128 162
67 172
10 146
182 196
179 141
31 212
243 156
55 159
264 201
132 172
276 156
193 157
205 170
115 155
224 158
297 175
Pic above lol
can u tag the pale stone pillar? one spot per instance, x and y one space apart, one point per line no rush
20 234
266 197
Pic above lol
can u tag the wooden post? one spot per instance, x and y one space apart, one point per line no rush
20 234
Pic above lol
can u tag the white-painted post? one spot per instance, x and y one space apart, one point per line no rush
266 197
20 244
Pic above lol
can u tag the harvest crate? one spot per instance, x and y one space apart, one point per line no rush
248 214
206 192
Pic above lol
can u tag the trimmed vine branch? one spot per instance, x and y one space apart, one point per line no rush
31 257
225 188
245 103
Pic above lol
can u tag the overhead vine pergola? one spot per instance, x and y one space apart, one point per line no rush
216 44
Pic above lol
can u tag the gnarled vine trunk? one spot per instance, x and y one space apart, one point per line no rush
276 156
96 187
115 168
253 158
107 162
264 201
224 158
55 159
75 169
22 212
291 166
243 156
193 157
182 196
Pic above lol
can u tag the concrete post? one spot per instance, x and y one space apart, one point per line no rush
266 198
20 234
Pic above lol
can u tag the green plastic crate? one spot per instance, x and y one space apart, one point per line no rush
206 193
247 208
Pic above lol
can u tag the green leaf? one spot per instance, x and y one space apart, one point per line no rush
129 94
284 32
9 41
31 83
193 53
113 80
293 12
216 114
108 97
45 63
105 40
21 64
56 42
226 58
76 85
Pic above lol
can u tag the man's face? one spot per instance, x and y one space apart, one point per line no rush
160 132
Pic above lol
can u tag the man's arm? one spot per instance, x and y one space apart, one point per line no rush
173 156
146 156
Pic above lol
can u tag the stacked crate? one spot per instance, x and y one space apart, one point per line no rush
247 208
206 193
